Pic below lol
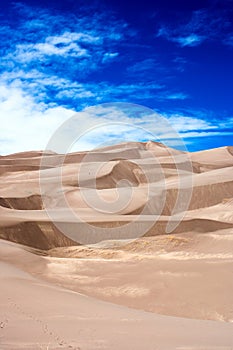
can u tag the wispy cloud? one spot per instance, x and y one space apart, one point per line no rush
147 65
39 33
46 36
173 96
113 123
203 25
180 63
53 58
40 121
229 40
119 125
54 88
66 50
53 65
190 39
109 56
184 123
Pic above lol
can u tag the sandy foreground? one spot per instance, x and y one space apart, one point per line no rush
76 274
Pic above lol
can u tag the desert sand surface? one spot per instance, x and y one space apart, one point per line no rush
125 247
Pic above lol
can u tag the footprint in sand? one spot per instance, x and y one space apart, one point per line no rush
44 326
3 324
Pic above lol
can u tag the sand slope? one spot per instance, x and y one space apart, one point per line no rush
60 319
186 274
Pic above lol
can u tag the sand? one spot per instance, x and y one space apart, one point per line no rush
134 288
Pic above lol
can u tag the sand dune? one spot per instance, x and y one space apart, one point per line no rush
82 232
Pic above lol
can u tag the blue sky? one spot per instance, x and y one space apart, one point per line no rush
60 57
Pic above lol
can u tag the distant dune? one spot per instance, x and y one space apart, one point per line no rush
77 250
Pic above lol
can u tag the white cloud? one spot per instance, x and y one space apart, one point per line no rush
185 123
202 25
173 96
108 56
66 44
190 40
29 112
70 37
26 125
146 65
51 40
65 51
29 52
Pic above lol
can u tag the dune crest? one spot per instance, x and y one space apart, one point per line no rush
96 223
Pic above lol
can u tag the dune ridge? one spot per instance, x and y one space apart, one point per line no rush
103 173
72 242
